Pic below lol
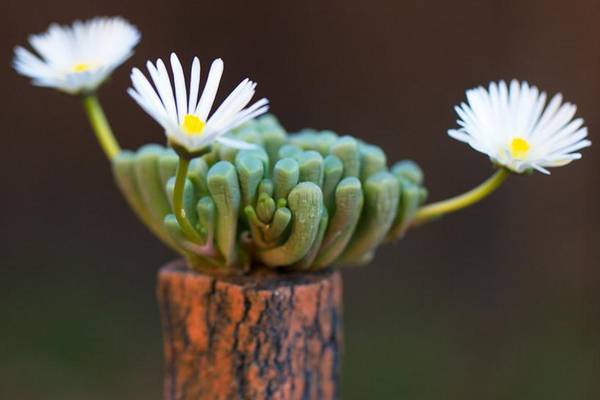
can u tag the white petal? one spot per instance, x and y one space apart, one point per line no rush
459 135
258 108
210 89
565 142
540 169
180 92
194 85
145 89
237 144
237 100
163 84
574 147
147 107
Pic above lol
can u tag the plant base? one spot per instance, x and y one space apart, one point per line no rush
263 336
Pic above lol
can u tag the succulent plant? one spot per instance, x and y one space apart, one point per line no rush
301 201
260 197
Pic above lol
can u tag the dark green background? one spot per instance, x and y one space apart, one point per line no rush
498 302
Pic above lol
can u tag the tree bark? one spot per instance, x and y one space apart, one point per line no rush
263 336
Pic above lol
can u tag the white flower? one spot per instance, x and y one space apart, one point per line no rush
185 118
516 130
77 58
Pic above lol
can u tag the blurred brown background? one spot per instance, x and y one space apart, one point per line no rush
500 301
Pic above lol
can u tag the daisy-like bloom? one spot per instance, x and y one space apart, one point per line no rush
77 58
517 130
183 116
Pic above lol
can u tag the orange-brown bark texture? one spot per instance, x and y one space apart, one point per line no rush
265 336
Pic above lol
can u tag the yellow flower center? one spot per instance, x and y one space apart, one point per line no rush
519 148
192 125
81 67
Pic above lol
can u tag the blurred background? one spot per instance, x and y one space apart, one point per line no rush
501 301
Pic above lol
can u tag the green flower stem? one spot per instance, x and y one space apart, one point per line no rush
101 127
440 208
186 227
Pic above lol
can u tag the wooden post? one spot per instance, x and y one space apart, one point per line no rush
263 336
